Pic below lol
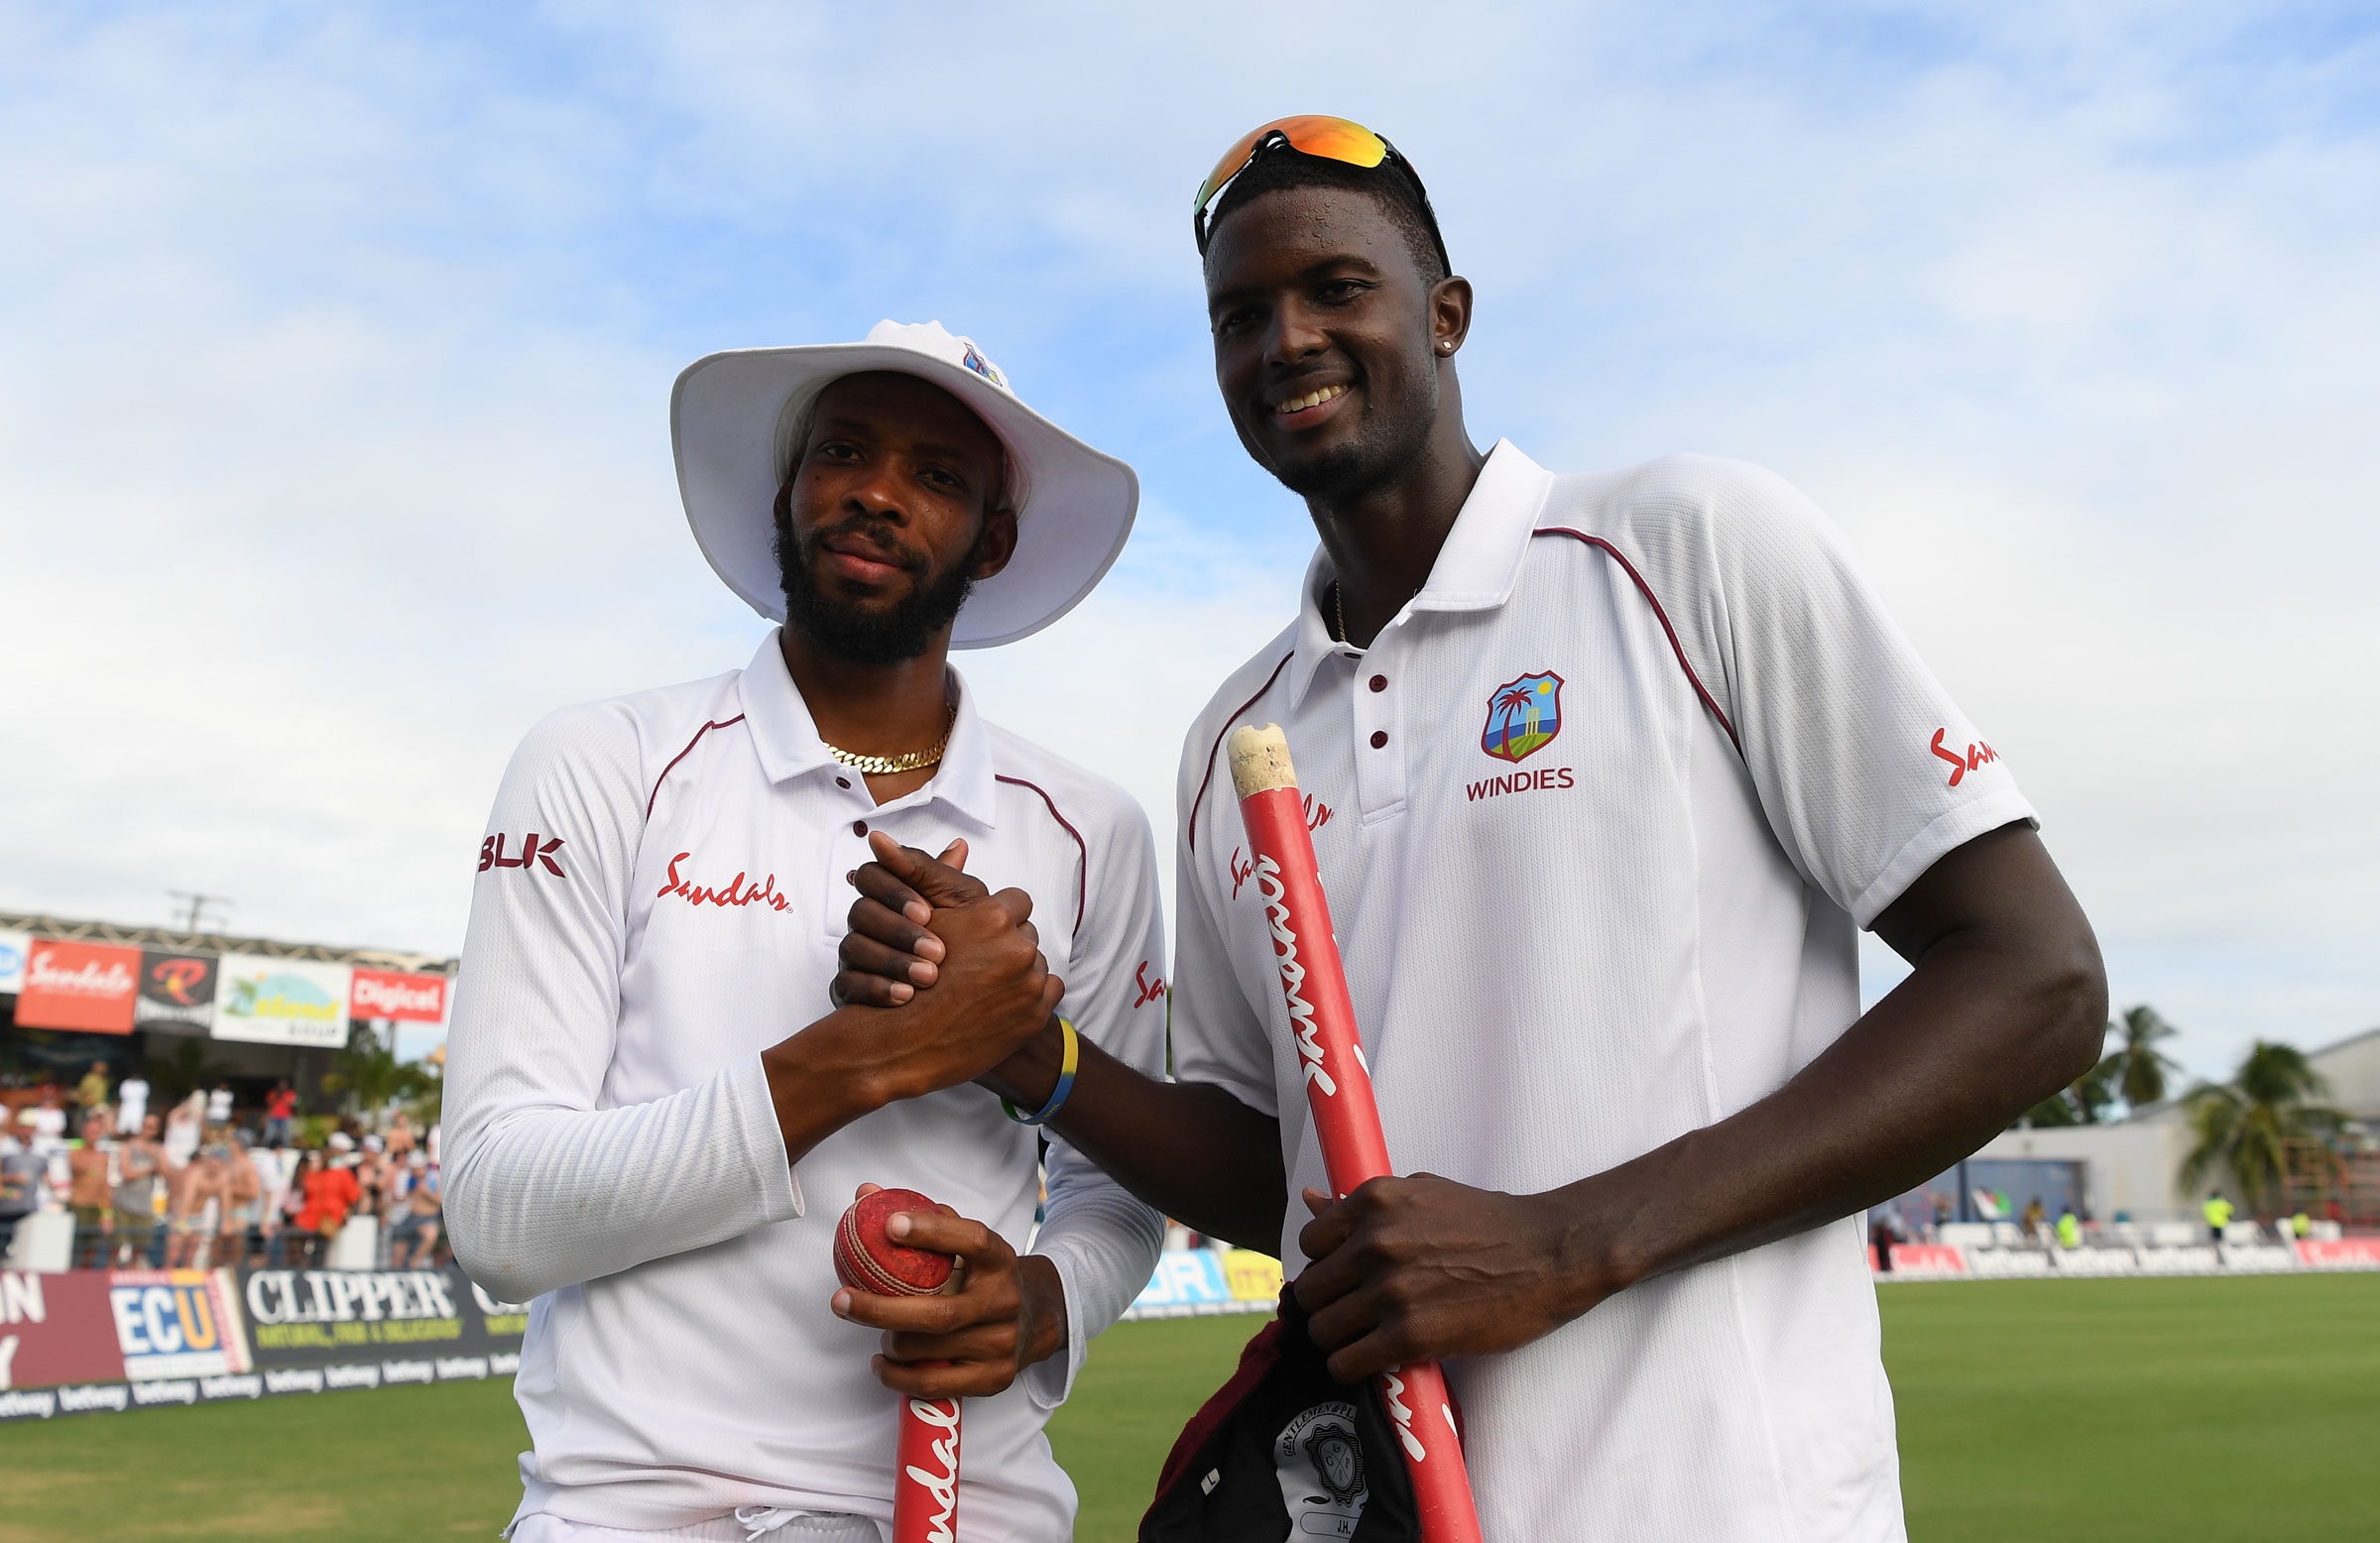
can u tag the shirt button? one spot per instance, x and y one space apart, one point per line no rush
859 827
1379 682
842 782
1379 739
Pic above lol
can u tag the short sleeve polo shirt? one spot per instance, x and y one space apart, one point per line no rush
1598 814
659 897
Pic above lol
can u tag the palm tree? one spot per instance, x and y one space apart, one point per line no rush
184 1071
371 1072
2245 1125
2137 1068
1512 701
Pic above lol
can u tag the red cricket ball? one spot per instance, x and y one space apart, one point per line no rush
867 1259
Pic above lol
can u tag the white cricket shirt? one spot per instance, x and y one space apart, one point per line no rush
660 899
1597 814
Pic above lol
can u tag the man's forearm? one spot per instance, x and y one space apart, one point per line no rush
1994 1018
1190 1150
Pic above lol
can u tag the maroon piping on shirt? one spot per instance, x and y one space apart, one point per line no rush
1082 880
1228 724
682 755
1659 615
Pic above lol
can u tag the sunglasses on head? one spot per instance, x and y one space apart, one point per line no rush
1309 134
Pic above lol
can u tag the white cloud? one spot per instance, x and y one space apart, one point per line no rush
332 452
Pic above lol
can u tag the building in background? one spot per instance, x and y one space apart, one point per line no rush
169 1004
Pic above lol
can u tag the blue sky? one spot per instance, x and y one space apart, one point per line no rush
333 450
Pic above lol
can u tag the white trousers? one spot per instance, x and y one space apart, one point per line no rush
749 1524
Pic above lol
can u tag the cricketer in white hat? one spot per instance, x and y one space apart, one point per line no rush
644 1146
734 417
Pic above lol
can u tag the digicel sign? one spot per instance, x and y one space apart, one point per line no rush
409 999
82 986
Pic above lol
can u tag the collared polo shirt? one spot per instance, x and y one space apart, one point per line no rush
659 897
1598 813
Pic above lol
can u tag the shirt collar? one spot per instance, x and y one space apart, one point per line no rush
1475 571
787 738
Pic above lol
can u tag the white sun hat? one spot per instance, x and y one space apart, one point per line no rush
732 418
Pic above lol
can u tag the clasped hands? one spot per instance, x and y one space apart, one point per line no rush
1401 1269
995 994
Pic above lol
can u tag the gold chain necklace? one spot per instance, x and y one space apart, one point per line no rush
1338 609
907 761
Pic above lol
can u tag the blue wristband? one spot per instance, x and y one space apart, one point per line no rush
1069 1061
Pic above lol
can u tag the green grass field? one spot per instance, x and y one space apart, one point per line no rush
2166 1411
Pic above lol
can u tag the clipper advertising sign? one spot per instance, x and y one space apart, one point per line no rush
177 989
282 1001
78 986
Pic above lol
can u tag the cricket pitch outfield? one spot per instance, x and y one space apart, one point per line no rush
2155 1410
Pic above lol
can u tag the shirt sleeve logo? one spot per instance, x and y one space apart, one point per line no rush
1523 715
537 852
1978 755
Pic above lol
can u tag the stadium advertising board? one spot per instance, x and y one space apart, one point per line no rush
1198 1282
56 1328
13 948
363 1328
175 1322
405 998
282 1001
176 989
87 987
105 1340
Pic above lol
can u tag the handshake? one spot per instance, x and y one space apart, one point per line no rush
960 969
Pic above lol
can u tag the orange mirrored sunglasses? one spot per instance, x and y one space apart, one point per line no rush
1309 134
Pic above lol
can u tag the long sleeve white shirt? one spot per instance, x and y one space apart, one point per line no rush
659 897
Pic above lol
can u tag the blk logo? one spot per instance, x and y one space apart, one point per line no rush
535 852
1977 755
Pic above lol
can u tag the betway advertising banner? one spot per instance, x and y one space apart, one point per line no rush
280 1002
101 1341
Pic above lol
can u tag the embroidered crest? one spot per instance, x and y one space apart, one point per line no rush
1523 715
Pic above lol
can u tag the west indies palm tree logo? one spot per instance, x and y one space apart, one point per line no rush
1523 715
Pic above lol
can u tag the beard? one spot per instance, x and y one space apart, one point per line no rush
839 630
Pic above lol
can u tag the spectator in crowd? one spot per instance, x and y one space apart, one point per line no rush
374 1176
414 1217
91 1092
89 1195
132 1104
241 1236
294 1246
1942 1212
2217 1212
140 1173
401 1136
281 1107
330 1194
2070 1228
2036 1218
185 1127
1879 1237
20 1187
46 1120
219 1105
2300 1225
198 1206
